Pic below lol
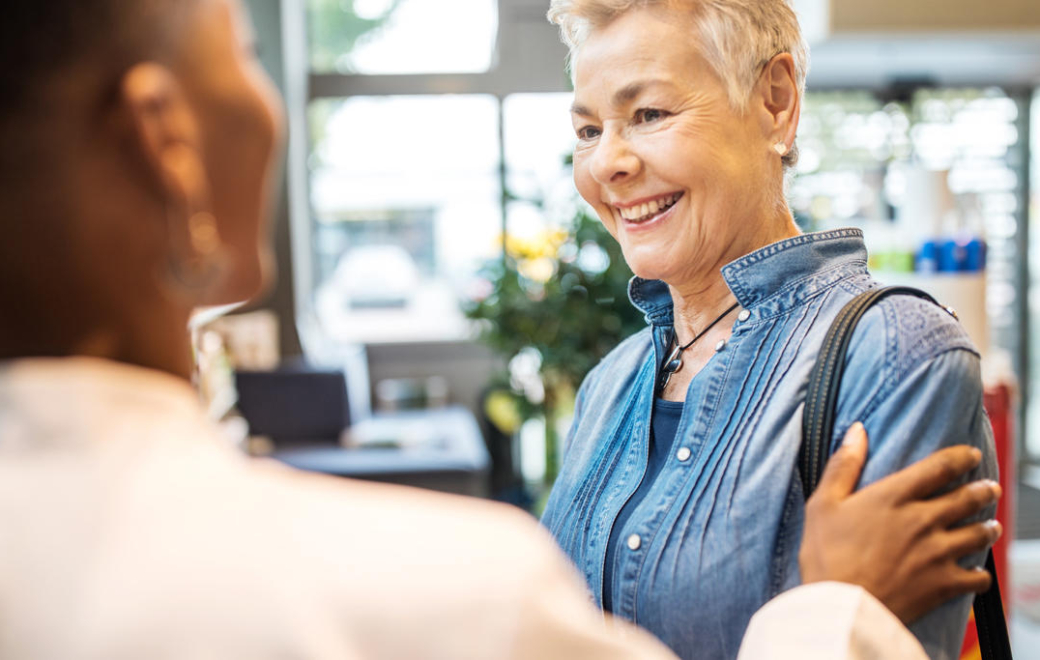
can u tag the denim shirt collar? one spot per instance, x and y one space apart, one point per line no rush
773 279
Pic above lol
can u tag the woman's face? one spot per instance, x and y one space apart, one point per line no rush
674 173
240 119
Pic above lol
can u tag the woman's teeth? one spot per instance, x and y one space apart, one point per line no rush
648 210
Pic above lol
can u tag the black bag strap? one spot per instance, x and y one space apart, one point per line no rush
821 398
989 618
821 403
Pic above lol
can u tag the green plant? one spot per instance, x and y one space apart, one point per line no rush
561 297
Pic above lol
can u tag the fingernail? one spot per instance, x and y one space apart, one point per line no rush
995 487
855 434
991 488
995 529
976 454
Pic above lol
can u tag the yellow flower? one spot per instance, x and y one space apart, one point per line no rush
501 409
544 244
538 270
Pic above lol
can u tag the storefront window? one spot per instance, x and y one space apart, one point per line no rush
863 161
406 196
401 36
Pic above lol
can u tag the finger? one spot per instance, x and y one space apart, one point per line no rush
967 581
928 475
843 469
971 539
937 586
942 585
963 502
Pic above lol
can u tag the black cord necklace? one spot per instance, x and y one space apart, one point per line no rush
674 362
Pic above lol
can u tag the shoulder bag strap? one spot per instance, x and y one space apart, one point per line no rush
818 429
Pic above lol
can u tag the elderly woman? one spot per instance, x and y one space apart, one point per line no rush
679 498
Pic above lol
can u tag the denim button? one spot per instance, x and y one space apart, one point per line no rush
721 345
744 315
634 542
683 454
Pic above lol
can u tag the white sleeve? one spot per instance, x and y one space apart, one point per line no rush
558 620
828 621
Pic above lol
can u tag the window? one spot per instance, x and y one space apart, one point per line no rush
538 138
861 155
433 134
882 165
401 36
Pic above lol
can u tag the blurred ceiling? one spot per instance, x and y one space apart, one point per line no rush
892 43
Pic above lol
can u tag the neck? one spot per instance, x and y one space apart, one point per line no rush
153 338
699 301
694 310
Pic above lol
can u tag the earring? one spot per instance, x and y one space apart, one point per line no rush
780 147
202 231
195 265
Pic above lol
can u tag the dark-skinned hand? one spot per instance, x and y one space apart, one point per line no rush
893 538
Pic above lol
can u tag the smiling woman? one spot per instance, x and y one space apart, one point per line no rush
659 139
679 497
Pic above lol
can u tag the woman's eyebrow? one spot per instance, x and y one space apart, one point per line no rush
626 94
632 90
581 110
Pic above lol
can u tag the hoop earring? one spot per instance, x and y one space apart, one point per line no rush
197 264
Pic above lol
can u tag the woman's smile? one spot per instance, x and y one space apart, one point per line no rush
645 215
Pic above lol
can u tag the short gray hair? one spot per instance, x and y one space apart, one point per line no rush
737 37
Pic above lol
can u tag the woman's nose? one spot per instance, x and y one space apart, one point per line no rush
613 160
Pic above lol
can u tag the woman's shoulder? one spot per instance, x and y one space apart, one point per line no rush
908 331
908 359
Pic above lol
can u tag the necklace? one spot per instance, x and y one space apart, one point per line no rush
674 362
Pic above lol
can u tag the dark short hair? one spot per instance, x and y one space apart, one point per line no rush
50 46
42 38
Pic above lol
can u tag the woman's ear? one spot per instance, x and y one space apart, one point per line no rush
781 98
165 131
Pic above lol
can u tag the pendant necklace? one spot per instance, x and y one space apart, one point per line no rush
674 362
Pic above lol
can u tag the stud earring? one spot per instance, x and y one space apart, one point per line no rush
780 147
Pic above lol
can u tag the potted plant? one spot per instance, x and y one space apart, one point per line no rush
553 306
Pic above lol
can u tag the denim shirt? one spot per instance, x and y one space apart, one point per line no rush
718 533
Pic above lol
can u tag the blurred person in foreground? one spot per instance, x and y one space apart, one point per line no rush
138 143
679 497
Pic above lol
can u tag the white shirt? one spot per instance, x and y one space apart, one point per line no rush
129 530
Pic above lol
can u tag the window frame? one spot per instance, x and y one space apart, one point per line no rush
529 58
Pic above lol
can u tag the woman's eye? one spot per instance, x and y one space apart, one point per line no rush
588 133
649 115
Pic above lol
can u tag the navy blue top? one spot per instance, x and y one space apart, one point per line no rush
663 425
